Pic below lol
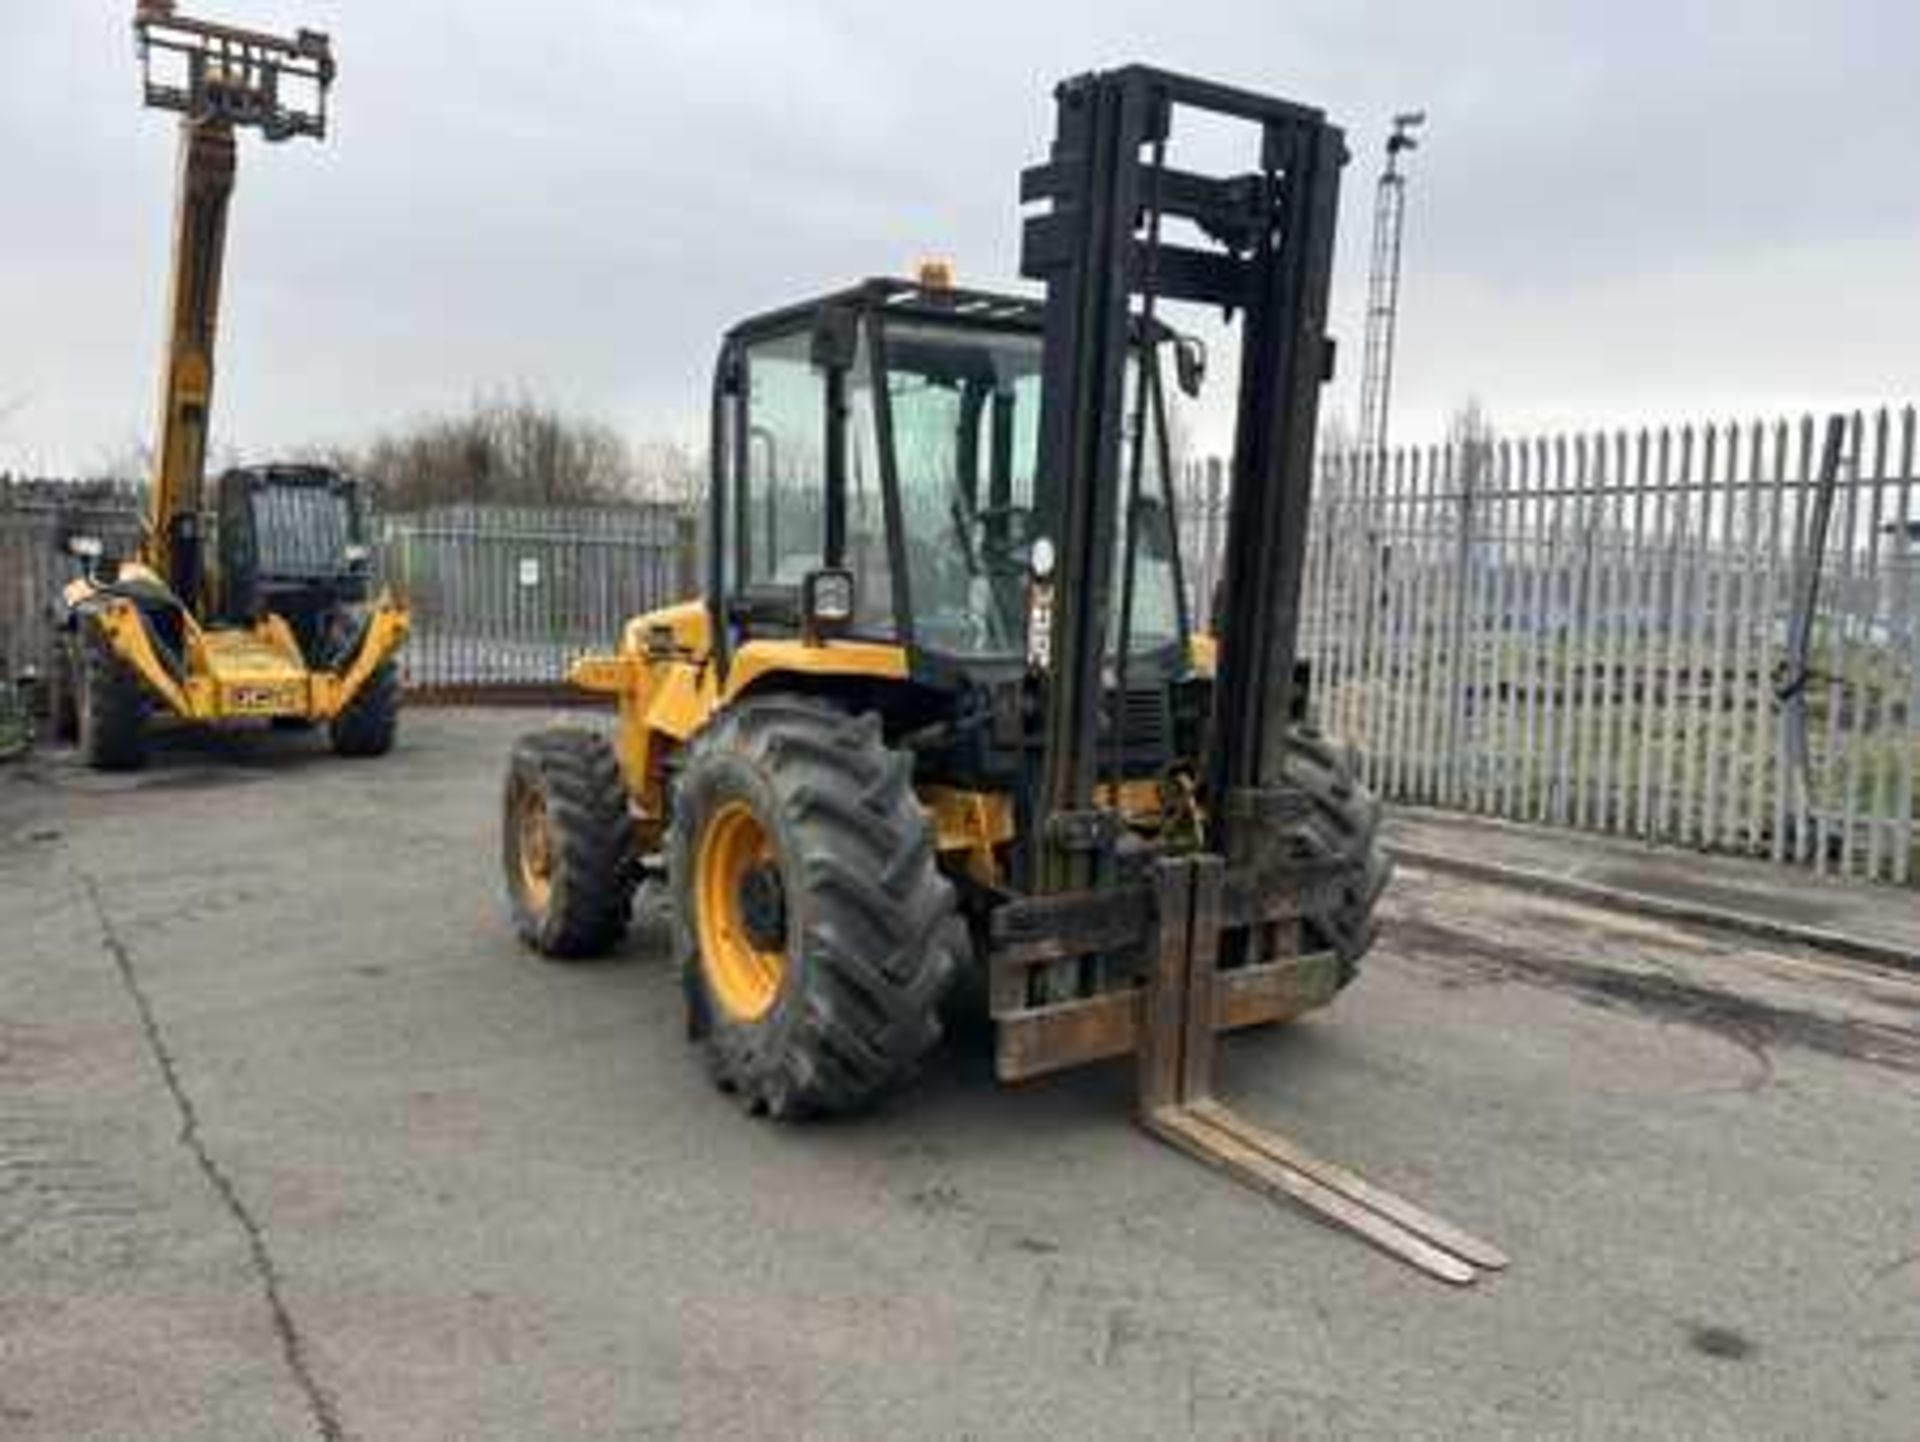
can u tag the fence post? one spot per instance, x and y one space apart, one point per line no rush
686 547
1468 457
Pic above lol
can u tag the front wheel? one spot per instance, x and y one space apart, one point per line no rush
567 843
63 701
366 724
111 712
1341 823
816 936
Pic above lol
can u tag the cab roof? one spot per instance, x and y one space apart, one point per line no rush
990 309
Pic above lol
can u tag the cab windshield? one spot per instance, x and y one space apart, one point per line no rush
964 406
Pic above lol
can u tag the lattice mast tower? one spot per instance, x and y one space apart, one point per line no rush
1383 291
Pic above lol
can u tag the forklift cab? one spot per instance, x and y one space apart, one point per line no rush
877 450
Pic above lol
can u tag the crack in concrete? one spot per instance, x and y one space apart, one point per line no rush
293 1347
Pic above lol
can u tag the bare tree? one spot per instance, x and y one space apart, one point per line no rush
513 450
668 472
1471 433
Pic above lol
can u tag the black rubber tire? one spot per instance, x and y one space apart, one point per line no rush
589 840
367 725
63 699
873 937
1342 822
111 713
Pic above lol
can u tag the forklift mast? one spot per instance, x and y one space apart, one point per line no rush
218 79
1265 255
1097 248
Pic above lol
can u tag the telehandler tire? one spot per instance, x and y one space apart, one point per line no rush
366 725
1343 822
816 935
567 843
63 700
111 719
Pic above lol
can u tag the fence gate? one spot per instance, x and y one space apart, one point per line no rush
35 518
506 596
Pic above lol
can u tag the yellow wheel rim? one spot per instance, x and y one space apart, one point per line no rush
745 978
533 846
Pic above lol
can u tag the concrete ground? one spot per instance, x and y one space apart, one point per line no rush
1880 924
295 1141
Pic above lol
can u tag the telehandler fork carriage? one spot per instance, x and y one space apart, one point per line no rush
943 713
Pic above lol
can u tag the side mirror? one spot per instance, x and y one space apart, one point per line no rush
836 337
95 564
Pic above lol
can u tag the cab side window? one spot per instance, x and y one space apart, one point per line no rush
781 515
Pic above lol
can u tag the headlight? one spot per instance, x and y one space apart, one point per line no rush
827 598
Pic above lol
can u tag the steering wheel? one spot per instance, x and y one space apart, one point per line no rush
1007 548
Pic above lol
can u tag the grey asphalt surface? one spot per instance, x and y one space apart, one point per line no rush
295 1141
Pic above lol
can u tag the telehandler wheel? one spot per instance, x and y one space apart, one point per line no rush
64 689
567 842
366 725
1343 820
816 934
112 706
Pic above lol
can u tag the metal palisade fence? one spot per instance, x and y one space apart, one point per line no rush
508 596
503 597
36 517
1678 634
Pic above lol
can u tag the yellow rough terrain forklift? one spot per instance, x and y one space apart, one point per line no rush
944 714
249 598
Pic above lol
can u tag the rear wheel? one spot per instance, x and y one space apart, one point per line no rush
63 700
111 711
1342 823
567 843
816 935
366 725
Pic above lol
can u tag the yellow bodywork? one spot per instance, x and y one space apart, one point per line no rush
238 671
667 687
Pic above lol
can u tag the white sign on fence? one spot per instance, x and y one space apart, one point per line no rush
529 570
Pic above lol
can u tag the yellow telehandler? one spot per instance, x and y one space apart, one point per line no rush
944 714
250 597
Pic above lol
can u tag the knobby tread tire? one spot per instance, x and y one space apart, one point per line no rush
589 838
1342 823
873 937
111 714
65 695
366 726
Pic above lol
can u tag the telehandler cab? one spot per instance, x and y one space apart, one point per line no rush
943 711
249 598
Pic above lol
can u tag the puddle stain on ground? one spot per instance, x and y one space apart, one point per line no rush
1746 1021
1721 1342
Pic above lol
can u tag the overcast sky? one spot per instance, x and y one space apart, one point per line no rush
1640 209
